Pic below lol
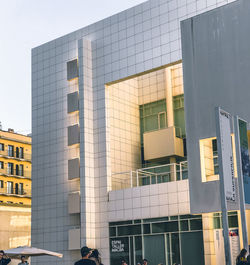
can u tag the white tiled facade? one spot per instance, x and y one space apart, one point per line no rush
152 201
129 43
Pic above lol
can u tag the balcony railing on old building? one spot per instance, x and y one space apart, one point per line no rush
16 173
15 155
150 175
9 191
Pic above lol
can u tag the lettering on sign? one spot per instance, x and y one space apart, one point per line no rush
117 246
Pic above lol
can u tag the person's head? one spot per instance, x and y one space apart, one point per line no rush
1 254
145 262
124 262
243 253
23 258
85 252
95 254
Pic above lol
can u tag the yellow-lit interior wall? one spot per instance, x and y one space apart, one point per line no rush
123 118
206 160
124 126
208 239
177 79
15 228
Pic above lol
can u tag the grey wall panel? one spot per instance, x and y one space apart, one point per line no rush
72 69
216 62
73 134
73 168
73 102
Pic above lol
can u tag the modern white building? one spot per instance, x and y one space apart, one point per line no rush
109 143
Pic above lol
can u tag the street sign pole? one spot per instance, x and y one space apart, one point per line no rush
221 145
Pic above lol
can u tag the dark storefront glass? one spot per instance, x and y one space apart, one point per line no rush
119 249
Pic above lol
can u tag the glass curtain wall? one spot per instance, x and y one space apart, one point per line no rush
167 240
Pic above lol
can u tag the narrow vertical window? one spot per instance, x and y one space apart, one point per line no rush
10 169
10 187
21 152
1 147
10 150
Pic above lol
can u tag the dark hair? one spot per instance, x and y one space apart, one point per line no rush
85 251
95 254
22 257
243 252
1 251
145 260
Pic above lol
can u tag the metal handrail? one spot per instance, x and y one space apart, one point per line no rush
16 173
15 192
134 178
14 155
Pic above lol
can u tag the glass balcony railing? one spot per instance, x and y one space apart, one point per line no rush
150 175
15 192
16 155
16 173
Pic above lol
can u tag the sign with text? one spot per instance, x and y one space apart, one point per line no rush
227 155
245 163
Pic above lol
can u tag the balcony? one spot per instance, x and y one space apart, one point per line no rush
16 173
17 192
14 155
150 175
163 143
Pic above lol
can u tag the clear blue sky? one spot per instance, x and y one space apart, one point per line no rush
25 24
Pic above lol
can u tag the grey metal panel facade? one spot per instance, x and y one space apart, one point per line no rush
73 168
216 66
73 102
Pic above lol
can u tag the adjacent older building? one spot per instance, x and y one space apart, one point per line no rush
15 189
110 157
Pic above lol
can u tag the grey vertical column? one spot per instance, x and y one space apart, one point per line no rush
240 183
87 184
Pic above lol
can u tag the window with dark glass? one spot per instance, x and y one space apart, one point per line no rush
17 170
153 116
129 230
179 117
20 170
20 188
17 152
10 150
1 147
1 184
10 169
16 188
21 152
1 165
